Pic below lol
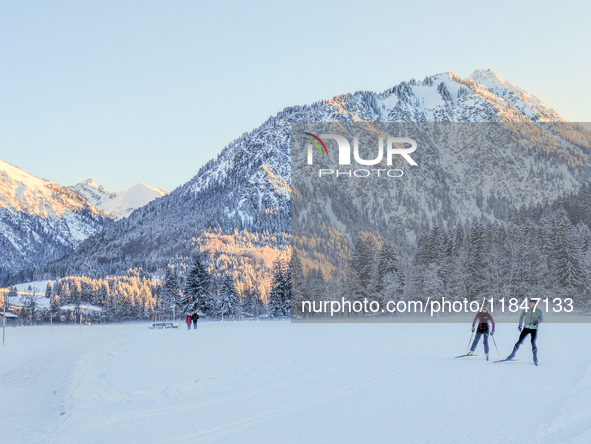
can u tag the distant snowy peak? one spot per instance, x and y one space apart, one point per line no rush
122 204
40 221
24 193
95 194
137 196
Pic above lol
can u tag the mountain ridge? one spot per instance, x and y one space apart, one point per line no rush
248 185
118 205
40 220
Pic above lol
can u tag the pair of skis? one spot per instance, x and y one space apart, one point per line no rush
506 360
509 360
494 362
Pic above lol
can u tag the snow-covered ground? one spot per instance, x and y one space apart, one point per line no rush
277 382
37 287
40 287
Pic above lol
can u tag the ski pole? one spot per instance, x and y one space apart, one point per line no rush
493 338
469 342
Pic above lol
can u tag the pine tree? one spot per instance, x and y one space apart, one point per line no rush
476 247
228 302
459 266
390 278
280 294
296 284
274 306
363 265
571 277
197 295
315 286
171 293
48 290
29 301
286 293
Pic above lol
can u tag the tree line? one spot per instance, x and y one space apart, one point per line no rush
542 250
184 289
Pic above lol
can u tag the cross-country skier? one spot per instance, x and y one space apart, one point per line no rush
532 318
483 317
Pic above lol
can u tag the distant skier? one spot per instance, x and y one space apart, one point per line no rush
483 317
195 318
533 317
188 321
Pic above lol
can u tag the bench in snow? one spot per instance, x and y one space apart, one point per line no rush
163 325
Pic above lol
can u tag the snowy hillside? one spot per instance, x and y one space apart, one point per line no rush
118 205
276 382
482 97
40 220
248 185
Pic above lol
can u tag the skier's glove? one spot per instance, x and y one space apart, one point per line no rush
519 328
492 333
535 323
473 329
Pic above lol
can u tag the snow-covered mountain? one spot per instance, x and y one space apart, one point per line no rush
40 220
118 205
248 185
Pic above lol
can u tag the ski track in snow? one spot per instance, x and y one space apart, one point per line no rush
259 382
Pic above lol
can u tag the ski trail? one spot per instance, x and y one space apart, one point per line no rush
41 382
573 421
468 433
321 383
106 357
233 427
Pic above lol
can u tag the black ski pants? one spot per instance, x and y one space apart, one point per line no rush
526 331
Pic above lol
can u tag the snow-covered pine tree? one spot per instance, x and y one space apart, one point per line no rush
76 299
105 297
390 278
286 293
297 284
425 270
275 295
197 296
48 290
280 294
54 301
458 270
250 303
315 286
363 265
476 250
228 302
171 294
572 277
496 259
29 302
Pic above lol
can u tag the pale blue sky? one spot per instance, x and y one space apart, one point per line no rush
130 91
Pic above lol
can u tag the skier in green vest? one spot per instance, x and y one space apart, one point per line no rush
532 317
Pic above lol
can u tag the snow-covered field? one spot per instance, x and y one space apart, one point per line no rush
277 382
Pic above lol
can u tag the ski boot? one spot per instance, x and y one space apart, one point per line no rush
487 356
470 353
